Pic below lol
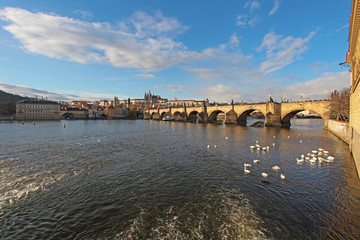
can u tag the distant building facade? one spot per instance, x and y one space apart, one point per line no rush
34 109
353 58
188 103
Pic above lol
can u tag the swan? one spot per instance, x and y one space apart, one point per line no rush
273 144
320 149
208 146
330 158
226 137
264 174
326 152
313 160
247 165
307 158
282 176
256 161
302 156
314 151
252 147
215 146
267 147
246 170
300 160
276 168
258 145
300 141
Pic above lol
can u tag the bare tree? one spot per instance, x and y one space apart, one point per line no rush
340 104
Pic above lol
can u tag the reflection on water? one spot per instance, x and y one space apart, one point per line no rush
160 180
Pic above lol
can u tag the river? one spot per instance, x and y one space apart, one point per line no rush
123 179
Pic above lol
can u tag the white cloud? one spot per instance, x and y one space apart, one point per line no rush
241 20
281 51
315 89
40 93
83 14
145 75
252 5
221 93
275 8
208 74
142 41
171 88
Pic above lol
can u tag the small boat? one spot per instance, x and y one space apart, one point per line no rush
168 118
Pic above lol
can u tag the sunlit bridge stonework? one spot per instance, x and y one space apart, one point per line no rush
276 114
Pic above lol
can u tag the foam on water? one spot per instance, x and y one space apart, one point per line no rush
224 214
18 181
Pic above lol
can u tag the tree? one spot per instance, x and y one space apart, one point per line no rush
132 111
7 108
340 104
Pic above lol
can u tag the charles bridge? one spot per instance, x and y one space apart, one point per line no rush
276 114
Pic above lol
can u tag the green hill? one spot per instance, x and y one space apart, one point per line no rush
4 96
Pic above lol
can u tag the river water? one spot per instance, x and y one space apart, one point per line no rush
160 180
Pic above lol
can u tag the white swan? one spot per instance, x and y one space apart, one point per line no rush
300 160
208 146
276 168
256 161
247 165
246 170
282 176
264 174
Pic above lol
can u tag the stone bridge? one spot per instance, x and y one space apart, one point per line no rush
276 114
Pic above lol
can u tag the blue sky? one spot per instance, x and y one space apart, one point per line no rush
220 50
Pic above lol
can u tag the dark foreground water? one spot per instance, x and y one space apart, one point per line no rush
159 180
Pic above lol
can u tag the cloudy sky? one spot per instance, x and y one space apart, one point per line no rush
220 50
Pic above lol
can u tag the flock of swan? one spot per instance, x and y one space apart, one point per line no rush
257 147
321 156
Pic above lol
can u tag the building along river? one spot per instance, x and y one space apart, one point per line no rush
167 180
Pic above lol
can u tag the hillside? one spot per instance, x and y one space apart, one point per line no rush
8 96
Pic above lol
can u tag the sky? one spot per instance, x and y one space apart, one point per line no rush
241 50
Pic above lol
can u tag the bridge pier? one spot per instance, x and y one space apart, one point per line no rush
273 114
202 117
146 116
231 117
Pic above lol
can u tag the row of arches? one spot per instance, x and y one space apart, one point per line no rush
219 116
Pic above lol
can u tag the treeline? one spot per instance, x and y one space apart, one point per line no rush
7 107
340 104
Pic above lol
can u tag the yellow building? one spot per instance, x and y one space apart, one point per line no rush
353 58
33 109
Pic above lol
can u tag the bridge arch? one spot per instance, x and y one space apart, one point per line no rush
176 115
287 116
192 117
242 119
152 115
214 114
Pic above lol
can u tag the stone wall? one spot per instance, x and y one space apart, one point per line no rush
340 129
355 148
349 135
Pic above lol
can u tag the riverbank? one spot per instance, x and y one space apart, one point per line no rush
346 133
